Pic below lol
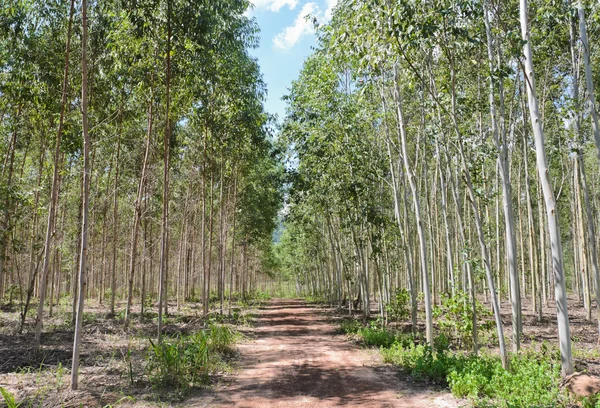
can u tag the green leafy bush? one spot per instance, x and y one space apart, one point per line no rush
455 319
350 326
184 361
482 378
376 336
220 338
399 309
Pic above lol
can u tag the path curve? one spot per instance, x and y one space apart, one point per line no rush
298 360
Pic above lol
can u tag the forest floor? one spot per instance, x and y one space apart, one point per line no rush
584 333
298 359
113 357
292 355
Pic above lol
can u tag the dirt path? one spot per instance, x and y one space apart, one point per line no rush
297 360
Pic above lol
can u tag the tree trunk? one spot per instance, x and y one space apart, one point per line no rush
595 127
509 222
86 193
417 207
564 334
138 209
55 177
164 245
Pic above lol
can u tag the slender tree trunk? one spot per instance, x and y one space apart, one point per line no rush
210 243
86 193
115 221
232 272
478 224
137 216
164 245
417 207
589 80
509 222
55 176
564 334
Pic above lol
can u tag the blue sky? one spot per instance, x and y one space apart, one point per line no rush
286 39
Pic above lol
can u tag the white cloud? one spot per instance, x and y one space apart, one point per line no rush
301 27
329 11
274 5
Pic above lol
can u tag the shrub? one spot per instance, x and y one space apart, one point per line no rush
482 378
220 338
184 361
455 319
398 308
350 326
378 337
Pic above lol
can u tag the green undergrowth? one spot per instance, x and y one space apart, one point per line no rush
532 380
187 361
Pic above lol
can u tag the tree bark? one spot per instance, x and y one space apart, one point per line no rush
564 332
86 193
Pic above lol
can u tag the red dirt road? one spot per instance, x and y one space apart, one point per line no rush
298 360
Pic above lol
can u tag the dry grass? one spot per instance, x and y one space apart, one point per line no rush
113 357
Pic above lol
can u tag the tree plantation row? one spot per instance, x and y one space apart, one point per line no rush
137 159
449 147
433 151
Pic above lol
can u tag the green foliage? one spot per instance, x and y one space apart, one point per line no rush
316 299
591 402
220 338
350 326
399 308
455 319
9 399
482 378
377 336
186 361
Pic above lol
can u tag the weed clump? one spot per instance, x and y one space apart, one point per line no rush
481 378
187 360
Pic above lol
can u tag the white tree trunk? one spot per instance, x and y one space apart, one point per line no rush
509 221
551 211
595 127
420 232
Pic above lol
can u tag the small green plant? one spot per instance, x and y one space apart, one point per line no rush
398 309
178 361
375 335
482 379
9 399
220 338
60 373
90 318
455 319
350 326
185 361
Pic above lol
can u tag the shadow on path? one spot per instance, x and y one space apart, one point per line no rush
297 360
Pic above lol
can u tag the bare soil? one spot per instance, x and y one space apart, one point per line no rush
297 359
113 358
293 357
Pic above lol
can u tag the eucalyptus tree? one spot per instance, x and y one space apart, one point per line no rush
498 130
86 195
589 80
54 194
549 198
376 36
